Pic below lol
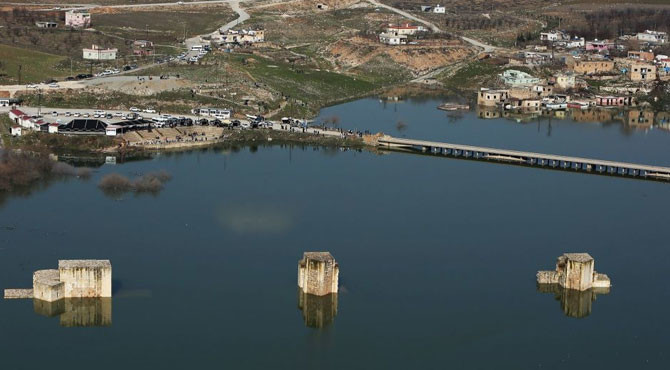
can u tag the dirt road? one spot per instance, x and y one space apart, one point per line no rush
432 26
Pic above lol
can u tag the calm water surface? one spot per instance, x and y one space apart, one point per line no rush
437 256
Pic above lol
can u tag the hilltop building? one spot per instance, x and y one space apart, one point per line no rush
518 78
78 19
653 37
392 38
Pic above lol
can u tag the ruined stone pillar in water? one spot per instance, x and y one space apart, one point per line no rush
318 273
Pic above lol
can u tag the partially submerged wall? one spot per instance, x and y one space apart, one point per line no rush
318 273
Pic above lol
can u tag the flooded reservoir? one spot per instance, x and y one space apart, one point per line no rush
437 257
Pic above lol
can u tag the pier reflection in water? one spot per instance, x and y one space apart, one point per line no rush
317 311
77 312
574 303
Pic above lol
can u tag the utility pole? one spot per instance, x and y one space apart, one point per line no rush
70 66
20 67
39 102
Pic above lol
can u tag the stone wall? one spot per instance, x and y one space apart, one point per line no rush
86 278
318 273
47 285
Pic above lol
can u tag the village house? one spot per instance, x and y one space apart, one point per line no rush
321 6
554 36
405 29
528 105
653 37
439 9
590 67
393 38
143 48
240 37
15 130
531 58
641 72
488 97
576 42
565 80
426 8
518 78
46 24
98 53
599 46
543 90
613 101
78 19
645 56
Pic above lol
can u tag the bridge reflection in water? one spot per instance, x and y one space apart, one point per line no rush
77 312
574 303
317 311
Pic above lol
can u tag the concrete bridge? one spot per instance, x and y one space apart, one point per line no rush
550 161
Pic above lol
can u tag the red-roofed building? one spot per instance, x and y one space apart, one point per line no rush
14 114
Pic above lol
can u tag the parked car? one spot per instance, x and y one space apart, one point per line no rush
54 113
70 78
134 109
85 115
77 114
54 85
68 114
31 86
149 110
118 114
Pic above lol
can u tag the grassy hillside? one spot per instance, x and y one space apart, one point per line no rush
36 66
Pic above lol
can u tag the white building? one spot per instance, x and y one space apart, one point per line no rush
249 36
392 38
439 9
575 43
78 19
553 36
404 29
98 53
15 130
654 37
53 128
